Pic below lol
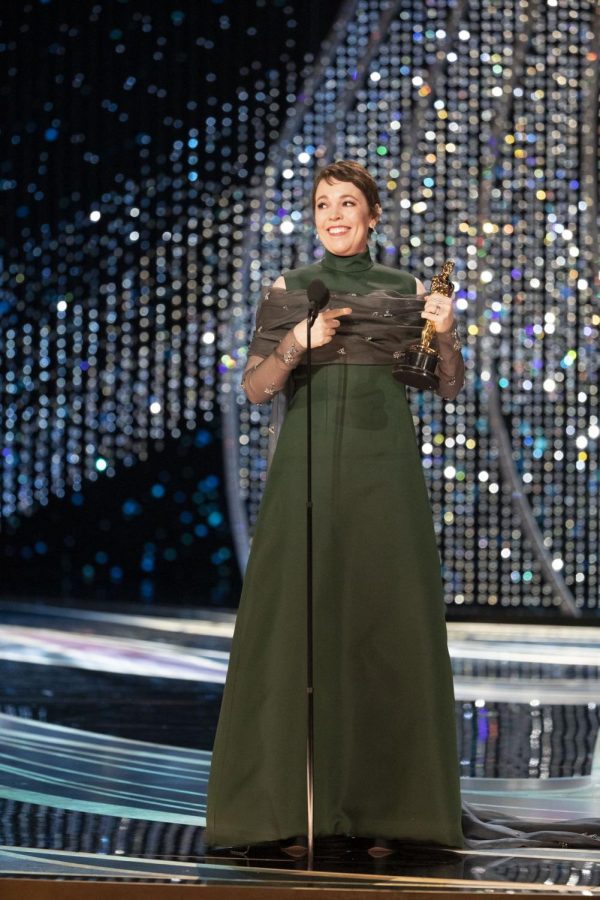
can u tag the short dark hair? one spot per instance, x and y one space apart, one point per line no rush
347 170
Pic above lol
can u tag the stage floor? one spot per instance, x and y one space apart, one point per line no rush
107 720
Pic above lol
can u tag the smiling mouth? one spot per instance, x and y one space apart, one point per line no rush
338 230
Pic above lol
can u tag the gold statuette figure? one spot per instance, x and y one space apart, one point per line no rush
417 364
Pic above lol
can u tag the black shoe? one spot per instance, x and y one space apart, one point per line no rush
381 847
296 847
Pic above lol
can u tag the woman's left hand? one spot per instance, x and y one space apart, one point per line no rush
439 309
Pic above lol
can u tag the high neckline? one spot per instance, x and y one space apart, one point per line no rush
358 262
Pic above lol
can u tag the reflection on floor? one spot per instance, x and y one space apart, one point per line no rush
107 721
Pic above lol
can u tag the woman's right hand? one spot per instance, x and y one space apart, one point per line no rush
324 329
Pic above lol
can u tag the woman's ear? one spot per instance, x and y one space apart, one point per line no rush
376 214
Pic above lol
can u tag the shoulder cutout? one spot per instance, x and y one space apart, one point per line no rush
279 282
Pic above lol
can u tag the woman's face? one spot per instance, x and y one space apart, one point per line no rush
342 217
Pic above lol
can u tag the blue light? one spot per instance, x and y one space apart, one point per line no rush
147 589
220 556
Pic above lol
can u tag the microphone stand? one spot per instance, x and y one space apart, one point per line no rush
318 296
310 736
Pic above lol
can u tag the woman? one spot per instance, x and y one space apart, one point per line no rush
385 752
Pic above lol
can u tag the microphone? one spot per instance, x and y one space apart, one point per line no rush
318 297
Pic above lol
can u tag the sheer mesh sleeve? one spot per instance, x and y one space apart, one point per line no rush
382 325
451 367
265 376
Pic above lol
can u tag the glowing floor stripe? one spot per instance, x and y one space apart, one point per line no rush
580 635
553 691
211 624
517 651
554 805
98 653
66 768
46 734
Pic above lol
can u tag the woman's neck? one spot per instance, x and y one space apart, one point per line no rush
357 262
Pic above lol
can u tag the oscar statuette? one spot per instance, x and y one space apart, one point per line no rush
417 364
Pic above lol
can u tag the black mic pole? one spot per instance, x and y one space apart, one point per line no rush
318 295
310 727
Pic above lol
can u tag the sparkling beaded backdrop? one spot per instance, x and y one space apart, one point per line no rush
128 137
128 321
480 119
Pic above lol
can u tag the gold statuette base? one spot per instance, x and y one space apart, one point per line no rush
416 367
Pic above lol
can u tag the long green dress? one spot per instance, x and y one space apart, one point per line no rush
385 747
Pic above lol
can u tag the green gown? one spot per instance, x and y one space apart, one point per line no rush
385 746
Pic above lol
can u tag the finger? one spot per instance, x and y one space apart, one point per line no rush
438 300
441 323
344 311
438 310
